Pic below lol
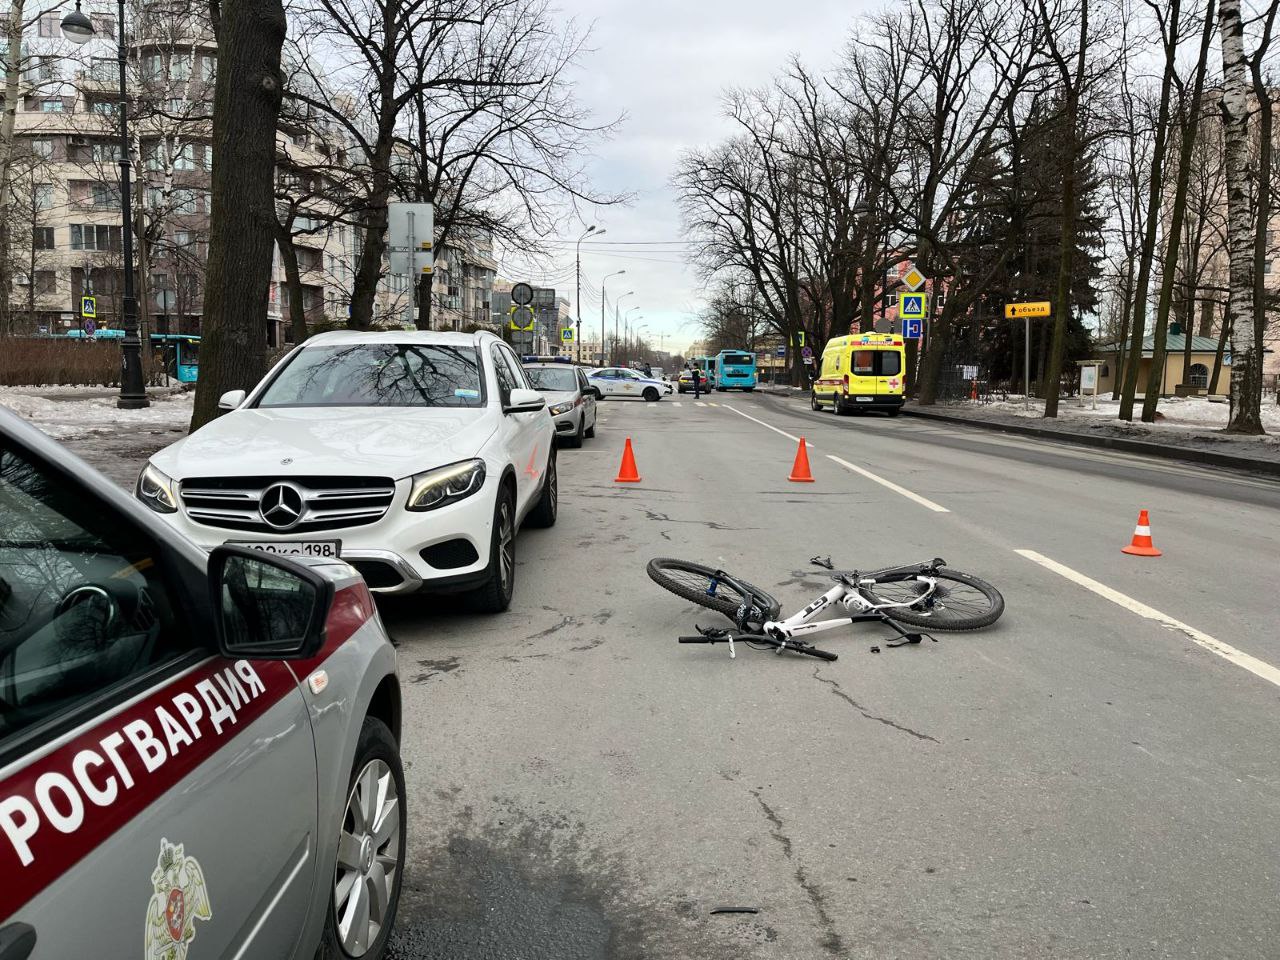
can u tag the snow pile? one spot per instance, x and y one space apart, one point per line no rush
1174 413
85 412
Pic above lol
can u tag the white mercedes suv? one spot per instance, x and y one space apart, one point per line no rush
414 456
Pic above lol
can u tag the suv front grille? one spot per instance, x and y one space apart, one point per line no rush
322 503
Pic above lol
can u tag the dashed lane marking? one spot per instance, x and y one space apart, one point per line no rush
1259 668
923 501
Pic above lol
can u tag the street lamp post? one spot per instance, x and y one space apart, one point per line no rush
616 311
616 273
577 303
78 28
626 334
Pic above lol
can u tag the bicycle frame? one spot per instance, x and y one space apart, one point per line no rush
844 592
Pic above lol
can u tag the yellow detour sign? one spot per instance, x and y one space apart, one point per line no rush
1037 308
522 317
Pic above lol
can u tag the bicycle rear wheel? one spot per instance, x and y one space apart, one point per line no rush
699 584
959 602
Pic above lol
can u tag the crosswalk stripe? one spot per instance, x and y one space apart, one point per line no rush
699 403
676 403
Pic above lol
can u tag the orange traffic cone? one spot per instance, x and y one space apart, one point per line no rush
800 469
1142 545
627 473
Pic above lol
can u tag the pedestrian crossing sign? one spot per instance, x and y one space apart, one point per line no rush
89 307
566 334
913 306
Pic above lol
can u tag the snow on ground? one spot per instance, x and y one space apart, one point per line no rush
71 413
1175 413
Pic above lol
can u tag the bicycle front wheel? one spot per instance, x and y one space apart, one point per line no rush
958 602
699 584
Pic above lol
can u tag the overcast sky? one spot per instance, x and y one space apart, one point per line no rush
664 64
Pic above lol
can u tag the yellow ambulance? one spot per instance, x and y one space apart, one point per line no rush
862 371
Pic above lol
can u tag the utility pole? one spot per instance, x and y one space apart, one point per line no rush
616 273
577 303
616 309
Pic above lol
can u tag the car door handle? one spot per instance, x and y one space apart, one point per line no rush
17 940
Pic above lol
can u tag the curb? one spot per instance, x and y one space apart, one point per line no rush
1144 447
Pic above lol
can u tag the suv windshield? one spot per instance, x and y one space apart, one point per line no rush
378 375
553 378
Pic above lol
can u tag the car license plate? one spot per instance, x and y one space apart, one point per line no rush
293 548
862 399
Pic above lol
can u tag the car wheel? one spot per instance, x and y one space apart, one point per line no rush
544 514
894 412
371 851
650 394
813 400
494 595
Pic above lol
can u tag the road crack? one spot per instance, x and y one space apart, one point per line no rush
709 524
831 941
564 622
836 689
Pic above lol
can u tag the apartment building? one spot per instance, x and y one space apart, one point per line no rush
65 225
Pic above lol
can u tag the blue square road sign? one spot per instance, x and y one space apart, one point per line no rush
912 328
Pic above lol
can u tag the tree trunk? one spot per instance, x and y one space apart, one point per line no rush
246 105
369 265
1155 192
1246 366
1191 125
12 68
422 289
1224 338
1066 256
1126 311
292 282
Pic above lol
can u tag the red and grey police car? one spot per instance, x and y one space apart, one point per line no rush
199 752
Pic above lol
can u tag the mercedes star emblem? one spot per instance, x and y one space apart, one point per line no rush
281 505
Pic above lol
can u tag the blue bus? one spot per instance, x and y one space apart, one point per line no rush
735 370
181 351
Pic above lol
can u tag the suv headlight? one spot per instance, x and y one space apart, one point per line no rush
560 408
156 490
435 488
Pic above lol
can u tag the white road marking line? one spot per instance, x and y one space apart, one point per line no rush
1259 668
699 403
936 508
676 403
794 439
712 404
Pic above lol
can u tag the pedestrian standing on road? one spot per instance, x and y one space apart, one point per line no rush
696 371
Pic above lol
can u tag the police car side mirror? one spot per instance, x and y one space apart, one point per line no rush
267 607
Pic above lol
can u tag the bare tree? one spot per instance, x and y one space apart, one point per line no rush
1245 204
1190 123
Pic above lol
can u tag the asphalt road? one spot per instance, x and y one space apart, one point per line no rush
1083 780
